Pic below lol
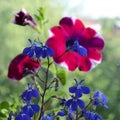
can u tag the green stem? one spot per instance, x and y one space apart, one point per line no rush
76 115
38 29
45 89
81 113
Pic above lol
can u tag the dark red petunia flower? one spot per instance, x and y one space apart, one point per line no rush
74 45
22 65
23 18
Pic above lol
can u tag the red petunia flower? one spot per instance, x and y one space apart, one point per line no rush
22 65
74 45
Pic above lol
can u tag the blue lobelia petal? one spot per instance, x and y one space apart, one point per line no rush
35 93
97 94
22 116
74 105
104 98
78 93
72 89
105 106
29 95
96 102
31 53
44 53
28 110
85 89
70 116
80 103
35 107
50 52
38 52
69 102
26 50
61 113
26 96
89 115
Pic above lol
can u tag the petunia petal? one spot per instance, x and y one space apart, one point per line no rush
84 64
78 26
59 33
58 48
71 60
67 24
95 55
96 42
88 33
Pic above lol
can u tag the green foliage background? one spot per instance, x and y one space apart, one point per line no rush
13 39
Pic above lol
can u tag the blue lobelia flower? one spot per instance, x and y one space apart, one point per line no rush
22 116
46 51
30 109
38 50
100 98
74 103
64 113
29 93
79 89
33 50
10 115
48 117
89 115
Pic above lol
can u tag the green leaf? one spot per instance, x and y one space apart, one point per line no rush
3 112
61 74
41 17
4 104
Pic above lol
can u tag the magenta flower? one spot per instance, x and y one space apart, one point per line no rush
22 65
74 45
23 18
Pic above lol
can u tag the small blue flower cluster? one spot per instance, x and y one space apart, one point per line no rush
76 105
29 109
38 50
72 107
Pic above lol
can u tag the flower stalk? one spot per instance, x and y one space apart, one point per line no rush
45 89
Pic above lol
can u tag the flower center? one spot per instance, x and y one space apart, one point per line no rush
74 45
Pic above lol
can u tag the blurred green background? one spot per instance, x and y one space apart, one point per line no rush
13 39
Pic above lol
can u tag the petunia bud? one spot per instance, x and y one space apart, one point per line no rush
24 18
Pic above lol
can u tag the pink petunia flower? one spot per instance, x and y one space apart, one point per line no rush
74 45
22 65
